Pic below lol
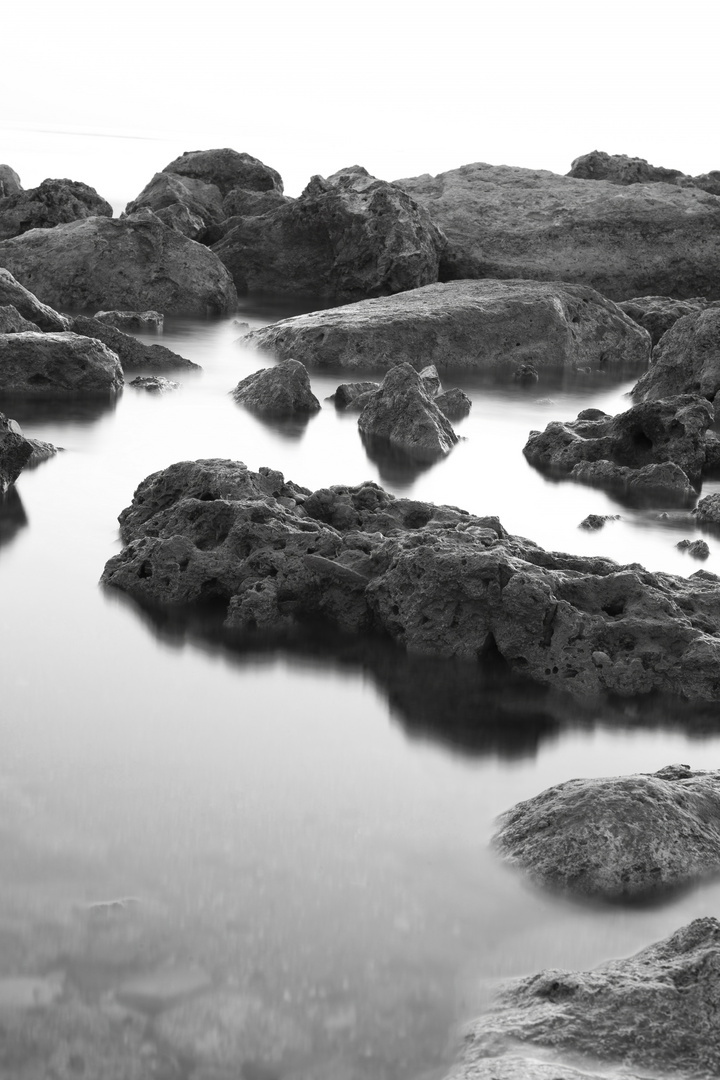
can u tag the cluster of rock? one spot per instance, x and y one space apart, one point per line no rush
624 170
54 202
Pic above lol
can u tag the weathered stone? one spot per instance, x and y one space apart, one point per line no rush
182 203
154 384
347 394
132 353
431 381
9 181
57 364
658 313
697 548
593 522
486 326
348 237
242 202
455 404
136 262
654 1012
28 305
666 484
506 222
132 321
402 413
621 169
15 452
226 169
283 390
707 511
686 360
54 202
12 322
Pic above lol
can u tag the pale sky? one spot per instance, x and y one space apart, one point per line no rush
309 87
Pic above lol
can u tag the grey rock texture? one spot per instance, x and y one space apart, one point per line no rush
283 390
454 403
347 394
54 202
27 304
507 222
9 181
707 511
466 326
136 262
132 321
621 169
154 384
654 1012
57 364
697 548
593 522
434 579
658 313
131 352
12 322
15 452
188 205
686 360
226 169
402 412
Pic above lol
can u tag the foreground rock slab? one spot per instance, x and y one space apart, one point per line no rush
57 364
435 579
654 1012
618 838
479 326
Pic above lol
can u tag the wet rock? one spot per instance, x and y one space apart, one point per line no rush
658 313
686 361
9 181
507 222
618 838
131 352
15 452
593 522
621 169
403 414
455 404
654 1012
486 326
347 395
188 205
54 202
27 304
12 322
226 169
132 322
697 548
154 384
57 364
283 390
136 262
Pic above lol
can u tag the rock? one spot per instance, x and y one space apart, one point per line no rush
136 262
527 374
154 384
434 579
15 452
132 353
348 394
131 322
697 548
9 181
707 511
486 326
57 364
506 222
226 169
709 182
621 169
283 390
658 313
27 304
54 202
243 202
654 1011
455 404
12 322
514 1067
666 483
182 203
593 522
348 237
618 838
431 381
403 414
686 360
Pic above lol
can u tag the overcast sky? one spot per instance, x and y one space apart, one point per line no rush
401 88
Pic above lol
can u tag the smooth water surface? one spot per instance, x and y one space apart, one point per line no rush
308 827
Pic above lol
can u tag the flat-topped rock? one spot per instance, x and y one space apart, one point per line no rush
54 202
57 364
478 326
686 360
621 169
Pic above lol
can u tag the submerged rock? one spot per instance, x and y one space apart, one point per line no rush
697 548
27 304
485 326
54 202
658 313
283 390
15 452
403 413
57 364
593 522
131 352
455 404
686 361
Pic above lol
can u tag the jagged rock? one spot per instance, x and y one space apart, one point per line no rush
154 384
182 203
27 304
283 390
9 181
431 381
131 321
658 313
617 838
487 326
506 222
12 322
654 1012
697 548
403 414
136 262
593 522
686 360
347 395
621 169
455 404
666 483
709 182
54 202
243 202
15 452
132 353
345 238
226 169
707 511
57 364
434 579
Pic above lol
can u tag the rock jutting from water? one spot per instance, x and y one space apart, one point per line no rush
402 413
283 390
154 384
15 452
434 579
49 365
686 360
478 326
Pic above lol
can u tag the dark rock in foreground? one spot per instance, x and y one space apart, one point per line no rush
654 1012
27 304
480 326
618 838
283 390
57 364
432 578
686 361
54 202
658 313
402 412
15 452
131 352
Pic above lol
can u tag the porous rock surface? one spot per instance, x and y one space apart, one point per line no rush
54 202
654 1012
433 578
402 413
27 304
226 169
57 364
188 205
466 326
686 360
506 222
617 838
131 352
347 237
658 313
15 452
136 262
707 511
283 390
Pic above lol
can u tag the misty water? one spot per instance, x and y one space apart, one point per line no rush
310 826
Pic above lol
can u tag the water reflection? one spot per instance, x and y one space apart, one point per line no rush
12 515
394 465
58 410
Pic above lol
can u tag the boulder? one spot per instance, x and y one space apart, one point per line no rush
136 262
431 381
15 452
154 384
654 1012
593 522
57 364
12 322
507 222
707 511
658 313
54 202
226 169
131 352
244 202
347 395
403 414
455 404
686 360
617 838
478 326
621 169
182 203
9 181
283 390
697 548
434 579
666 484
27 304
348 237
132 322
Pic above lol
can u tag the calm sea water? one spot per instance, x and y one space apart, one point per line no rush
312 827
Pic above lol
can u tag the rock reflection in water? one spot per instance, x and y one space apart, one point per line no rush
73 410
397 466
12 515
